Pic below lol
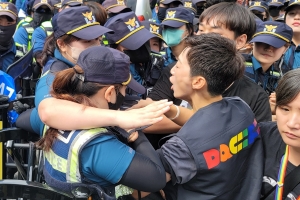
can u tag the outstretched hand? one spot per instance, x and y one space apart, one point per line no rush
150 114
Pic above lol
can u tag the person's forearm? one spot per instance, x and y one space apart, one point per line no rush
162 127
67 115
184 115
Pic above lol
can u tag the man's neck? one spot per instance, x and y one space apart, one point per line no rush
199 100
294 156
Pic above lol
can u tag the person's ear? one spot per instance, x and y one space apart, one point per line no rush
198 82
241 41
110 94
61 45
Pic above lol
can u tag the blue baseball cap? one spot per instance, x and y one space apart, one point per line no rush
190 5
273 33
154 28
115 6
177 17
8 9
166 2
71 3
129 32
107 66
260 6
79 22
292 3
39 3
276 3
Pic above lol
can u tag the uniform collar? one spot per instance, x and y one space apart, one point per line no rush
60 57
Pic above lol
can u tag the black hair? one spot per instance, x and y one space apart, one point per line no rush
215 58
50 45
210 3
190 28
288 87
233 16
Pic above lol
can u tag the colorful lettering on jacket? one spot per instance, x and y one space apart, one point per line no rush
214 157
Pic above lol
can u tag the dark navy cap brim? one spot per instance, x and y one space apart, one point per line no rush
292 4
6 13
91 32
74 4
275 4
270 40
137 39
134 85
260 9
172 23
170 1
118 9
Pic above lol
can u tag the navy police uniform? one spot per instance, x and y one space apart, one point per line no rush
275 34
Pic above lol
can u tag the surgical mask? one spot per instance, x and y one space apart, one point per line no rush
161 14
119 101
173 36
75 52
274 12
6 34
140 55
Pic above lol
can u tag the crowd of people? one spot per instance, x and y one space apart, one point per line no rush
201 101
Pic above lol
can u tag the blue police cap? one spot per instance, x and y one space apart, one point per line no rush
276 3
177 17
260 6
8 9
79 22
273 33
292 2
105 65
129 32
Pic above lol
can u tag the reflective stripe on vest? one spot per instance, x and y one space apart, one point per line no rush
23 21
47 27
29 31
70 165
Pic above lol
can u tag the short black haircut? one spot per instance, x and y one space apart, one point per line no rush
215 58
233 16
288 88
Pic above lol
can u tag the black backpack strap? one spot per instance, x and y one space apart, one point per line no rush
290 182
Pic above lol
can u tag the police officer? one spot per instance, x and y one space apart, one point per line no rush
163 6
132 38
8 19
276 9
178 25
41 11
292 57
40 33
100 77
271 41
28 10
200 4
260 9
113 7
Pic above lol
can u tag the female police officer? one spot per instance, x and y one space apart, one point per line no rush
75 30
99 79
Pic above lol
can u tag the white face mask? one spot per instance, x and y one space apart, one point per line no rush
75 52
